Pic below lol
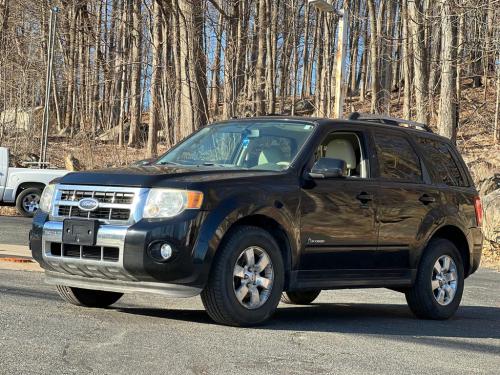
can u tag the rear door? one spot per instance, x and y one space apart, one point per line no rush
405 199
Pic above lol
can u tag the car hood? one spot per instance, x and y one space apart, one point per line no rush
157 176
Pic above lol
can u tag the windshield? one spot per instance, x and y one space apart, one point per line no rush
264 145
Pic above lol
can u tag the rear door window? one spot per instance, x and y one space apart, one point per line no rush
397 159
439 155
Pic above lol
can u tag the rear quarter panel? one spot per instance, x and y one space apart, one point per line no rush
455 207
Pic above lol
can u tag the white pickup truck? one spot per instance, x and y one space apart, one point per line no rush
23 186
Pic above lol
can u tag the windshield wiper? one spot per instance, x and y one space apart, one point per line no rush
167 162
210 164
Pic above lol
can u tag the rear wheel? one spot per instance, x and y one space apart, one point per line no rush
27 201
246 279
300 298
440 282
87 297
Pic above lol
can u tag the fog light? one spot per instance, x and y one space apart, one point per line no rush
166 251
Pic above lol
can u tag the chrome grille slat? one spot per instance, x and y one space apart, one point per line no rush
116 204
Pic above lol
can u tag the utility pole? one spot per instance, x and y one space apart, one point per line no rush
340 55
48 84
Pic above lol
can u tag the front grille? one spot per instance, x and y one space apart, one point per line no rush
113 205
101 253
100 213
101 196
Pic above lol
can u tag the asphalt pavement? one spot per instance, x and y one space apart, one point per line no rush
14 230
346 331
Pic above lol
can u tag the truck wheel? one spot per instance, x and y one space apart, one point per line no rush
300 298
246 279
27 201
87 297
439 285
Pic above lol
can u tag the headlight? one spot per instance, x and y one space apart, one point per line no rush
163 203
46 200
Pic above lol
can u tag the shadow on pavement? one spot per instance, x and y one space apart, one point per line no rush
364 319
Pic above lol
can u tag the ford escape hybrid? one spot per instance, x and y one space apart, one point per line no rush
248 212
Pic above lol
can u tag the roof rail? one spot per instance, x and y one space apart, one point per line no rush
381 119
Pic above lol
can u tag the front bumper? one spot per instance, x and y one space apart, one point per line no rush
132 269
120 286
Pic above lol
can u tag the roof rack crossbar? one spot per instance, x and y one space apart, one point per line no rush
381 119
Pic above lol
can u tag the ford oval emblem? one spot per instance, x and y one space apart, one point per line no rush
88 204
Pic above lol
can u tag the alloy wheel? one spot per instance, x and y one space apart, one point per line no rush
444 280
31 202
253 277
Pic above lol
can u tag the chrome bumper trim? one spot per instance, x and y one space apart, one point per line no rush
119 286
108 235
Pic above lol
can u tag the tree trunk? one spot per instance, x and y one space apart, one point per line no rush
271 56
460 53
124 60
406 63
375 80
70 69
487 45
215 85
135 79
496 130
305 55
419 59
230 63
193 100
4 22
260 68
156 76
447 106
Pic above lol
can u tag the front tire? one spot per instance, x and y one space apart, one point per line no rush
87 297
300 298
27 201
246 279
439 285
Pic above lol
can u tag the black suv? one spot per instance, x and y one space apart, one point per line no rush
249 211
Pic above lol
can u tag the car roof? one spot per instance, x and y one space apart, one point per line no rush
323 121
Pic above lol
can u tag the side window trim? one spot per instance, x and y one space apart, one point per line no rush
460 165
426 176
363 137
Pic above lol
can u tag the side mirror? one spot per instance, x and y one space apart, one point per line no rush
329 168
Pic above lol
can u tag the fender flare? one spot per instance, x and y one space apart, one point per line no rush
219 222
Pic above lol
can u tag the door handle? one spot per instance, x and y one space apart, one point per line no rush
364 197
426 199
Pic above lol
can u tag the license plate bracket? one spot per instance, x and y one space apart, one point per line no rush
80 232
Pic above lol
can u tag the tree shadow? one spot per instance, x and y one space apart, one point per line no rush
470 322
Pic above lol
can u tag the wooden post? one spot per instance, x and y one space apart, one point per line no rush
338 109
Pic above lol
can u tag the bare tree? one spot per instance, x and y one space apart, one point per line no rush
415 11
448 104
135 77
154 118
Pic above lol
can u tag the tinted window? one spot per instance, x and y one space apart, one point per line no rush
267 145
396 158
345 146
439 154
